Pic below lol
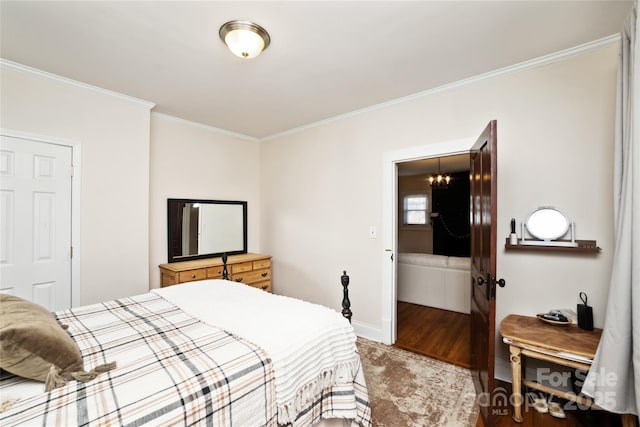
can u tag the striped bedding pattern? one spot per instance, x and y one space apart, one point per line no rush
312 348
174 369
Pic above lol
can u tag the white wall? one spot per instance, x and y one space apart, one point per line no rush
113 133
313 194
196 161
131 163
321 187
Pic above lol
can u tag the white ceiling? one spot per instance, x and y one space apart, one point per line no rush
326 58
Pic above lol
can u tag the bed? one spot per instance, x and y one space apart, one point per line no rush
212 352
435 281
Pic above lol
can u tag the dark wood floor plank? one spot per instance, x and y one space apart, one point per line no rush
440 334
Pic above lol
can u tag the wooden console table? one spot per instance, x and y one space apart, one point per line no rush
564 345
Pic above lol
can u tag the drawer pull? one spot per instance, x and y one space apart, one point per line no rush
193 276
265 274
239 279
264 287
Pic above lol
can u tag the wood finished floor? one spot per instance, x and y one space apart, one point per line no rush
445 335
440 334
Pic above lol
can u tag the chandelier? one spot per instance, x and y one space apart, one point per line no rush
440 180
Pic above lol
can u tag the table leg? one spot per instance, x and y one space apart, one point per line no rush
516 378
628 420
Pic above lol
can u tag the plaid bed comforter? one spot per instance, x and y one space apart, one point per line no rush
172 370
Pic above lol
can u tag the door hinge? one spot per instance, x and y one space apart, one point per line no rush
71 252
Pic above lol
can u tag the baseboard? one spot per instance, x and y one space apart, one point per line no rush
502 370
367 331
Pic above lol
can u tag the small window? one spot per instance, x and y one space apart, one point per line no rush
416 209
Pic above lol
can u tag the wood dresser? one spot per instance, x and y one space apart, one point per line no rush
250 269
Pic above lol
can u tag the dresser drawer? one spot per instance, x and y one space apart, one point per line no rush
252 276
263 263
191 275
214 272
265 286
241 267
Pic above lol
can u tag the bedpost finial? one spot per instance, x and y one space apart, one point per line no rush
346 304
225 272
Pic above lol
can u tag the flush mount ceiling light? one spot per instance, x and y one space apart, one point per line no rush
244 38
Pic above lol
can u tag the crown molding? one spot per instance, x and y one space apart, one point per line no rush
45 74
206 127
526 65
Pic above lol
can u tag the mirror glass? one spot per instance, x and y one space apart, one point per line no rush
547 223
205 228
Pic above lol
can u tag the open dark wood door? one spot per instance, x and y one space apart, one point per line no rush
483 269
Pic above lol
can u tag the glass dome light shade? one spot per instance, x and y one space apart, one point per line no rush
244 39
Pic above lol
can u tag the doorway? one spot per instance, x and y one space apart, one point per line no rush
391 162
433 273
40 219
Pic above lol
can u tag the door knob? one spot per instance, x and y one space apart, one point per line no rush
481 281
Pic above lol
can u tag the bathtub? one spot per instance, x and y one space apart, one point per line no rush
435 281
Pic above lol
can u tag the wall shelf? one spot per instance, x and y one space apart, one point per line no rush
584 246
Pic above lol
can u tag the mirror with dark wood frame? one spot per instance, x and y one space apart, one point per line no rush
198 228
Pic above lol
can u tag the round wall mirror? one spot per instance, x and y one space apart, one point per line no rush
547 223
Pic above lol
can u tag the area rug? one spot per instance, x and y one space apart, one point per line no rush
407 389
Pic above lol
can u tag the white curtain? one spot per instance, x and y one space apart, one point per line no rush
614 378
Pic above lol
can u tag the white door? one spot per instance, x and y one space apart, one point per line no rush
35 221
